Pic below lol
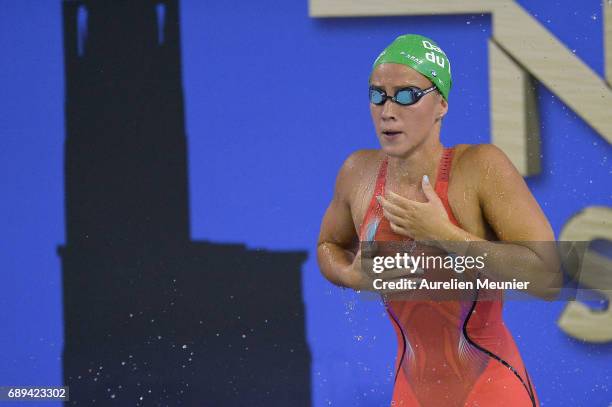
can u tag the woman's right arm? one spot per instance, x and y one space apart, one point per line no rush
338 242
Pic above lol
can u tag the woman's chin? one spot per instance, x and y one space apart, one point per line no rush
401 146
396 150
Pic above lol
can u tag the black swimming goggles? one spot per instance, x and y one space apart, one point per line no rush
404 96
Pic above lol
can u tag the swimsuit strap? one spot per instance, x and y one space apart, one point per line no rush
379 189
444 170
382 178
444 167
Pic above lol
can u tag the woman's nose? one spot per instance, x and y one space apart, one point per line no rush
388 109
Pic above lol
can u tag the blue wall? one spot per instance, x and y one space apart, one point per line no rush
31 191
275 101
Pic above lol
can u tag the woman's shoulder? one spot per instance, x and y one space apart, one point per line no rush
366 156
362 162
482 167
479 156
359 169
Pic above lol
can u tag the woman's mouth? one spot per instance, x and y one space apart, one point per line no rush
391 134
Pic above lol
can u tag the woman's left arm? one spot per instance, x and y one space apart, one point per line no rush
526 250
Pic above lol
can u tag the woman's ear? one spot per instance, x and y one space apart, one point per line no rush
443 108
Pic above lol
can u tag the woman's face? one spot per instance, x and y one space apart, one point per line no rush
400 129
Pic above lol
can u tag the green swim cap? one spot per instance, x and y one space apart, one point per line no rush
421 54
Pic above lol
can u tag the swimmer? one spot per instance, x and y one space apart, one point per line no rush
451 353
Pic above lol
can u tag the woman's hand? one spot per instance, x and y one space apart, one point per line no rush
353 275
418 220
360 276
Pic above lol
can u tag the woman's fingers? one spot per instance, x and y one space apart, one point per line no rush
390 206
399 229
398 273
393 218
402 202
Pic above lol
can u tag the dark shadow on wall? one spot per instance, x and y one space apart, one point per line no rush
151 317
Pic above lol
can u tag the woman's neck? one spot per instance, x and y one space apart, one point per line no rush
423 160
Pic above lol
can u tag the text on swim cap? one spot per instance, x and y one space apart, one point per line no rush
432 47
431 57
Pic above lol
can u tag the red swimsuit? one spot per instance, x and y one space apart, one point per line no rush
450 353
